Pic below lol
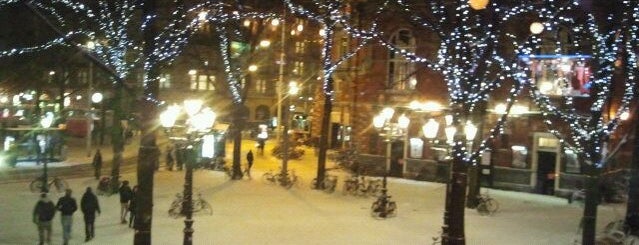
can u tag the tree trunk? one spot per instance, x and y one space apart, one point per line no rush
328 107
117 140
147 154
592 171
453 230
240 111
632 210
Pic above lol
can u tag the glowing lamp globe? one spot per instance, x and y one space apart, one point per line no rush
536 28
478 4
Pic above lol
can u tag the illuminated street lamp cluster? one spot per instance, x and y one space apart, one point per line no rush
199 122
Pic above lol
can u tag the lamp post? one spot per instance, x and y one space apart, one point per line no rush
199 121
293 90
45 123
90 46
390 131
453 228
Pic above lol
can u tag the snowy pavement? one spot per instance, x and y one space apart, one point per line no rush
254 212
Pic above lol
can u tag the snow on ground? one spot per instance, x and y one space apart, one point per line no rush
254 212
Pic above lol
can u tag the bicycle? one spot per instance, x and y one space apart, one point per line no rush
106 186
487 205
350 186
383 207
59 184
287 181
328 185
199 206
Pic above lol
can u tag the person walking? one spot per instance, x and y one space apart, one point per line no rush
249 159
132 205
89 206
179 157
67 206
97 164
126 194
169 158
43 213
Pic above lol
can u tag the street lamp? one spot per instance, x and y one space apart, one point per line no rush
199 122
90 45
390 131
45 123
293 89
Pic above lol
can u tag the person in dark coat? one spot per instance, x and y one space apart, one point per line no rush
89 206
179 157
169 158
43 213
67 206
126 194
97 164
132 206
249 159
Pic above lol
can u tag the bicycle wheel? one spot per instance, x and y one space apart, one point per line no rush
482 209
205 207
60 184
176 209
268 177
375 209
392 206
36 185
492 206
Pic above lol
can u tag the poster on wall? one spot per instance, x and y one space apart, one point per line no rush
416 147
572 163
519 156
560 75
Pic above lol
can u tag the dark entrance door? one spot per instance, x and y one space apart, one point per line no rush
546 172
397 153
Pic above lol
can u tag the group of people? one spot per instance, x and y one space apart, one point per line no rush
44 212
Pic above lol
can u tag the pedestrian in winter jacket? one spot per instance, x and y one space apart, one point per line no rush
97 164
126 194
67 206
89 206
132 205
43 213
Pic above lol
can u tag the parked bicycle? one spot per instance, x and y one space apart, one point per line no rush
287 181
55 183
383 207
487 205
199 206
328 185
362 186
106 186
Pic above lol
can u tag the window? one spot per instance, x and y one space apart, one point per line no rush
165 81
298 67
343 48
260 86
401 72
299 47
202 82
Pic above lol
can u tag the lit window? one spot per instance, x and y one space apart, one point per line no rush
299 47
401 72
165 81
202 82
298 67
260 86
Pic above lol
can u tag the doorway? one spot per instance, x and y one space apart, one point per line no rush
546 172
396 159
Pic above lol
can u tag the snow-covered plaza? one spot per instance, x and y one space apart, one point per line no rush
255 212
